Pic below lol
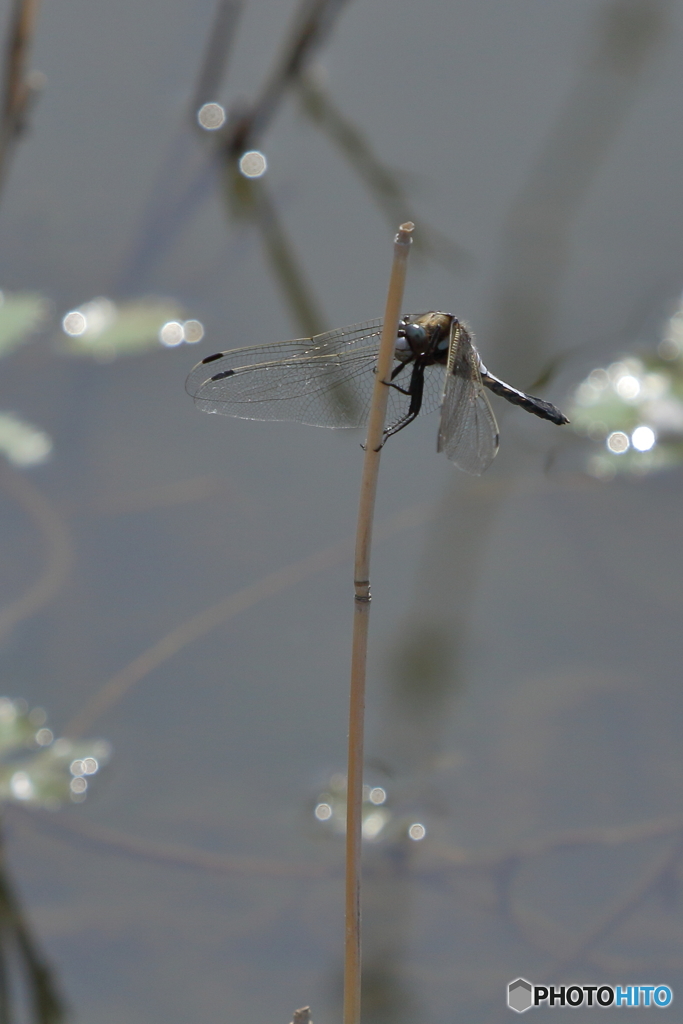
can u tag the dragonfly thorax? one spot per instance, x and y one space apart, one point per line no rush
425 337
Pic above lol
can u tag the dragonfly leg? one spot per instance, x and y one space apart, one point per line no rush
416 392
397 387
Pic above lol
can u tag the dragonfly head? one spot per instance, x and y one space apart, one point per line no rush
413 340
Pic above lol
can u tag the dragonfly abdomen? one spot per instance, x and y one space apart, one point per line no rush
537 406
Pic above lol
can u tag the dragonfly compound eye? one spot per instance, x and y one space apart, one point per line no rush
416 337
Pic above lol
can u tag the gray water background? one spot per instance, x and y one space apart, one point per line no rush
552 601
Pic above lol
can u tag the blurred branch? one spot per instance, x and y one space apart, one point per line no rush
217 54
246 123
382 183
313 23
47 1005
57 543
621 907
177 492
250 198
611 835
5 1008
167 216
537 235
111 840
186 175
199 625
20 87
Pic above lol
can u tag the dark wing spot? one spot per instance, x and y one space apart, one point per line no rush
210 359
223 375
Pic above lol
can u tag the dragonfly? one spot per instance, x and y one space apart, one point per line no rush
327 381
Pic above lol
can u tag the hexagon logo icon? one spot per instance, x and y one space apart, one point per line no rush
519 995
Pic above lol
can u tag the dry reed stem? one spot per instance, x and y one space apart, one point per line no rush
354 789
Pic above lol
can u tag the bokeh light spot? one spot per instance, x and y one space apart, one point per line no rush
74 323
643 439
193 331
21 786
373 824
669 349
323 812
618 442
253 164
211 116
627 387
172 334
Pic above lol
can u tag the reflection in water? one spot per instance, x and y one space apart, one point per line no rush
253 164
211 116
387 900
22 443
233 140
330 808
37 770
633 409
540 223
92 318
643 439
175 333
383 184
104 330
424 679
618 442
417 832
22 86
21 315
248 199
25 977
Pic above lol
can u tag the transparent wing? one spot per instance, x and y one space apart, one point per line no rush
468 432
324 381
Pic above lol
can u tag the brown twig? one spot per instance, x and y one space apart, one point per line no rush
19 86
354 789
